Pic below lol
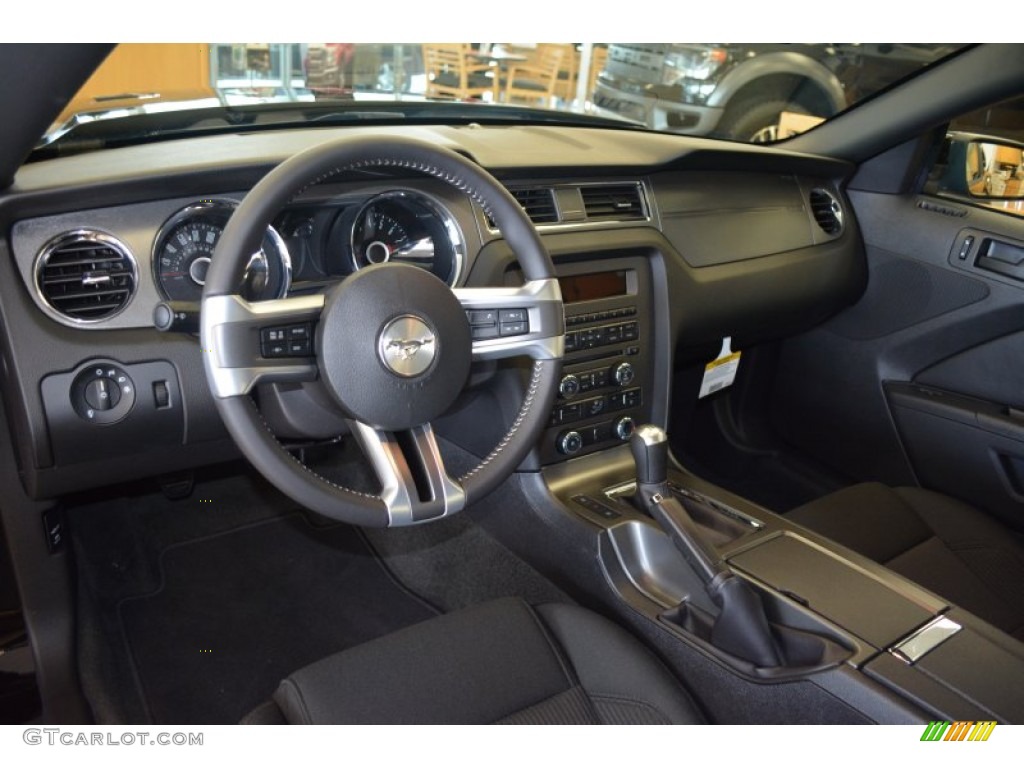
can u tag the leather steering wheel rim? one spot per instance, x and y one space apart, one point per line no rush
229 326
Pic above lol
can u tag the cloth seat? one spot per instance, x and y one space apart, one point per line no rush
499 662
947 546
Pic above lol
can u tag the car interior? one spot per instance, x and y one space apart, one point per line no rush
512 419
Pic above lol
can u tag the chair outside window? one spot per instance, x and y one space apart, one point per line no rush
536 79
454 72
568 72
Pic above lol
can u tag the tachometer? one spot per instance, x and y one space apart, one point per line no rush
408 227
187 242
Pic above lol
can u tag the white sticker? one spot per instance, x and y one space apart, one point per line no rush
720 372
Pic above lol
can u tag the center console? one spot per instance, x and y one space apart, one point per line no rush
848 625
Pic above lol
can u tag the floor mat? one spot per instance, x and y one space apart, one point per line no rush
238 611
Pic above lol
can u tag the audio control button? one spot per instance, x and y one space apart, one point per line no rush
569 386
624 374
624 428
570 443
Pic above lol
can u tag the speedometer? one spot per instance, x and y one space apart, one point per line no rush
406 226
186 245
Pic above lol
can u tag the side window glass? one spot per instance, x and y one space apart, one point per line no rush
982 159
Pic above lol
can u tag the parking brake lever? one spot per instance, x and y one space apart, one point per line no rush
741 627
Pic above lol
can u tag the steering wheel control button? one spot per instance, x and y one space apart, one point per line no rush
287 341
103 394
483 317
514 329
514 316
394 346
300 348
485 331
492 323
407 346
570 443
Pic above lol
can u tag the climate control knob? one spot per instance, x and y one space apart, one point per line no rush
570 443
569 386
624 428
624 374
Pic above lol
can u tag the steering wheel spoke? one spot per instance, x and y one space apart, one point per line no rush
415 487
250 343
511 322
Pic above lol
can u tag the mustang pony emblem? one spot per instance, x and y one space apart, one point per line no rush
407 348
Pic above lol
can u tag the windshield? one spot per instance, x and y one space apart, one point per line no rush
749 92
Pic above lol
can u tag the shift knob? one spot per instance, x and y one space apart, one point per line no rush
649 445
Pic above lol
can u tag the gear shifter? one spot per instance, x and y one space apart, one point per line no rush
741 627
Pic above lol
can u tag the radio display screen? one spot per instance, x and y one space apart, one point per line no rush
599 285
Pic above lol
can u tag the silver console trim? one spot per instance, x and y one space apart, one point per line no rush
616 493
927 638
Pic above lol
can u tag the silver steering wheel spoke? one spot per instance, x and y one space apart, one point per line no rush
415 487
511 322
251 343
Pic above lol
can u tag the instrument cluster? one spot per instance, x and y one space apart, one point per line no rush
311 244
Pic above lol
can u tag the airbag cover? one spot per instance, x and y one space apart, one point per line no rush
394 346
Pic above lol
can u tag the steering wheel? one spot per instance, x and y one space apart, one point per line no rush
392 344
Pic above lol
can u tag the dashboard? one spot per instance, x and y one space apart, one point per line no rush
660 244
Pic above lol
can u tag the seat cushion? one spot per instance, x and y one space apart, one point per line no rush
500 662
943 544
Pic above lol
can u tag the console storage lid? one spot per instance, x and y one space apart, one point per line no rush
876 610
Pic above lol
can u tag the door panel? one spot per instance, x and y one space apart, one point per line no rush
861 392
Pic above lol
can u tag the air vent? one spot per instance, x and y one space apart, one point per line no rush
538 202
613 202
827 211
85 276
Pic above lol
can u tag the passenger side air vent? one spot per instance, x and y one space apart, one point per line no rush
85 276
826 211
538 202
613 202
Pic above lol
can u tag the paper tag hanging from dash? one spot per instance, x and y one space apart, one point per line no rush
720 372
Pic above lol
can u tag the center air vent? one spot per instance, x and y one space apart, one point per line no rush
85 276
613 202
538 202
827 211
